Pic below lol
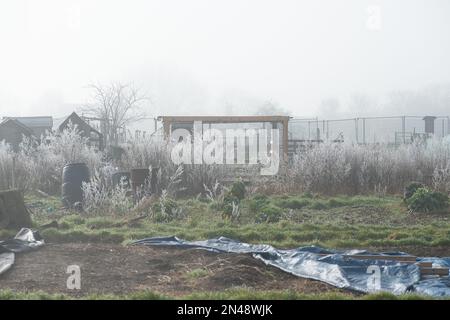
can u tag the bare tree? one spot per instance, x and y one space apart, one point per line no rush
330 108
360 103
269 108
116 106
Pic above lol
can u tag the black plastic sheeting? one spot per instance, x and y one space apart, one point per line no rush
25 240
334 268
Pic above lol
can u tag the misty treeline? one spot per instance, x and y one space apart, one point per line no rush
328 168
433 99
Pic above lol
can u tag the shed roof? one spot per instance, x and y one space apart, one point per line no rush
33 122
76 119
24 128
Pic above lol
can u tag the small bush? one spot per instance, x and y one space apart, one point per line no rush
411 189
424 200
227 206
166 209
269 214
238 190
165 205
308 195
319 205
258 202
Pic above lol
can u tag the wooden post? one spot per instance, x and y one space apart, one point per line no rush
404 129
13 212
13 172
285 138
364 130
166 127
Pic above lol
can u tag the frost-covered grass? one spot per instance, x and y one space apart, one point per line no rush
326 168
39 166
373 168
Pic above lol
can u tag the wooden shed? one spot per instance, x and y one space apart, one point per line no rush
13 131
94 137
171 123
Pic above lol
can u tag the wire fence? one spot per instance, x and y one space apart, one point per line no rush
397 129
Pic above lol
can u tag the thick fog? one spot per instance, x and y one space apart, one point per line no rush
305 58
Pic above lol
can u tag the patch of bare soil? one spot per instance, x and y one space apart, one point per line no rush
108 268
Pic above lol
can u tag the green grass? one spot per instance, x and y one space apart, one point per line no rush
229 294
295 220
283 221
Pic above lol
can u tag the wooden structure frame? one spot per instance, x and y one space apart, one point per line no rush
284 120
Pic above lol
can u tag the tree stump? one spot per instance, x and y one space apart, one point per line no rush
13 213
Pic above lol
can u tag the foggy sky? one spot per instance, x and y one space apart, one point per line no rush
222 57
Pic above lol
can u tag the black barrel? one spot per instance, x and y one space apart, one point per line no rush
121 176
139 178
73 176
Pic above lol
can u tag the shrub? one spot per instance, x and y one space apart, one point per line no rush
269 214
257 202
166 209
229 201
308 195
425 200
238 189
411 189
101 200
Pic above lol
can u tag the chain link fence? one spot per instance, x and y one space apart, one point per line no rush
398 129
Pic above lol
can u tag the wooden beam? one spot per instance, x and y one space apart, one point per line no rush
425 264
383 257
166 128
285 140
434 271
224 119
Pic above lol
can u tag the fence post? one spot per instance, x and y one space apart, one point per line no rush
309 130
364 130
323 128
13 182
448 125
404 128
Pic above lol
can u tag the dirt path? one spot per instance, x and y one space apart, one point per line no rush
108 268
